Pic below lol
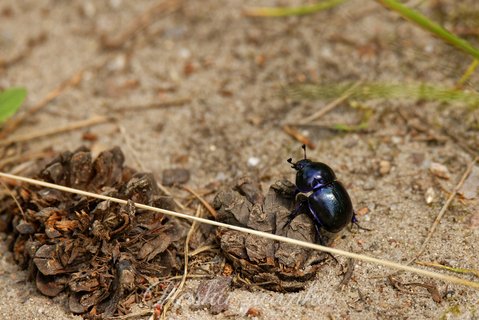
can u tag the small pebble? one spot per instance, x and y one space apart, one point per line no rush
88 9
429 48
439 170
362 211
253 312
430 195
89 136
474 221
396 140
117 63
384 167
184 53
220 176
253 161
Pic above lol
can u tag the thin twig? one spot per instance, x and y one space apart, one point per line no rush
293 132
139 23
208 207
398 285
266 235
347 275
444 209
203 249
69 127
430 287
189 276
203 193
185 270
14 198
155 105
333 104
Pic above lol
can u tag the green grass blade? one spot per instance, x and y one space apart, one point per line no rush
367 113
425 23
468 73
457 270
10 100
349 128
372 90
272 12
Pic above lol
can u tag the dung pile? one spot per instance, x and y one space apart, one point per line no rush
267 263
102 254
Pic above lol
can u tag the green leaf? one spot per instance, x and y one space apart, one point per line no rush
10 100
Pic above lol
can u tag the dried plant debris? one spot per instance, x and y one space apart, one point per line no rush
100 253
267 263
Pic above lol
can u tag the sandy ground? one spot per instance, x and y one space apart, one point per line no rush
231 68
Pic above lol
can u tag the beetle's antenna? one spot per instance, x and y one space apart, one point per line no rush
293 165
304 148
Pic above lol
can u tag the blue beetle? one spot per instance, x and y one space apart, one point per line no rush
329 204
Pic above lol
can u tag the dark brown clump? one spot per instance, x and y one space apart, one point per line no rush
176 176
101 253
272 265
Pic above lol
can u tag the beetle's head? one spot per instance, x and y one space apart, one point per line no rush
299 165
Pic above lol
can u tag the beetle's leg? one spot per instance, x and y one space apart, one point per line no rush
355 222
319 238
354 219
296 192
296 212
317 225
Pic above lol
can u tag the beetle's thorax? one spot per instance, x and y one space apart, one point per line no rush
313 175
